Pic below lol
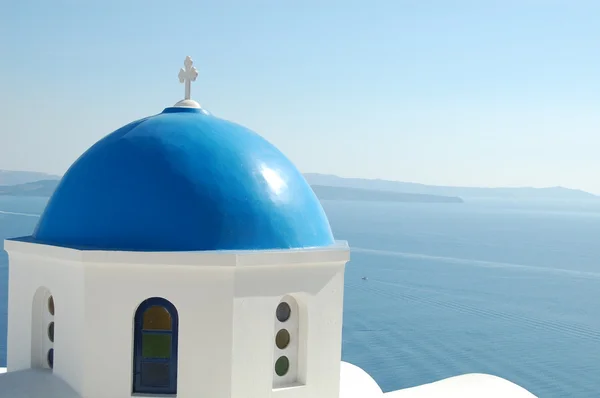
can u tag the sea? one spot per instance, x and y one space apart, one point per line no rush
509 288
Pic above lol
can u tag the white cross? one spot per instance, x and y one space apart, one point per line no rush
188 75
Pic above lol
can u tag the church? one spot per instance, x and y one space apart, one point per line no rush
185 256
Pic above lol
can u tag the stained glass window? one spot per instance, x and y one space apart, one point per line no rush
155 347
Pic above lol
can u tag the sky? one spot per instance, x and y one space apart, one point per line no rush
468 93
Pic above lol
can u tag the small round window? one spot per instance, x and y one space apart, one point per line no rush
282 366
283 312
51 331
50 358
51 305
282 339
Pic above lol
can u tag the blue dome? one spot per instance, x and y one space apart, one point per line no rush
183 180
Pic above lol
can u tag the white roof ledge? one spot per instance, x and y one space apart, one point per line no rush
475 385
338 252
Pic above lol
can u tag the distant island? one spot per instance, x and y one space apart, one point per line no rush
331 187
36 188
325 192
14 177
47 187
554 193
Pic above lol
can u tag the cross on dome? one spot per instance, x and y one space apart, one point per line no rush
187 75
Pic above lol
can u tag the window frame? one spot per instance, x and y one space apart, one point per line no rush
138 358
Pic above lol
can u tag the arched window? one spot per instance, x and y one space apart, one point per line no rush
155 347
286 350
42 333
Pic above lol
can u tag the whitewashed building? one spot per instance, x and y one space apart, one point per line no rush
183 255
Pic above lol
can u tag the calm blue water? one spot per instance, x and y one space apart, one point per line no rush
495 287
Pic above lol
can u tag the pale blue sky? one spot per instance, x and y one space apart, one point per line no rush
487 93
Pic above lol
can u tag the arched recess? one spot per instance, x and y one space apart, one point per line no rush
42 329
289 350
156 326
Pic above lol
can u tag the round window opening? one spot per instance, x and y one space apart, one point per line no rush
51 331
50 358
282 339
51 305
282 366
283 312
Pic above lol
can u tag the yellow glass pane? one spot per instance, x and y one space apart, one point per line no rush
282 339
157 318
51 305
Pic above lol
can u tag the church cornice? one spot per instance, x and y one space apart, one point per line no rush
334 254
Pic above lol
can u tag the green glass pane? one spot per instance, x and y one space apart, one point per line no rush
282 365
51 332
157 318
156 345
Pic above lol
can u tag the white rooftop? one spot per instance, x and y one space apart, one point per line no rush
34 383
354 383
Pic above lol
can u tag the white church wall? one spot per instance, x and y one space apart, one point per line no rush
31 273
20 296
202 296
318 290
226 304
